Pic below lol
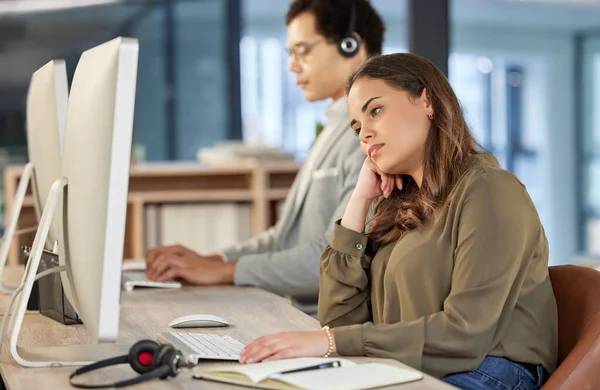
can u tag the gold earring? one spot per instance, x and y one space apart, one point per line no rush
430 116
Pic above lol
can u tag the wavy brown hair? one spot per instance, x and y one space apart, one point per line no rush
449 144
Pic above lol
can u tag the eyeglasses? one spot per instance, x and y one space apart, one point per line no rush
302 49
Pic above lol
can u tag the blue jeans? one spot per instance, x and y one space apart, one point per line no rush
499 374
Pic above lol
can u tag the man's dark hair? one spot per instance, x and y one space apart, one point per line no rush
333 20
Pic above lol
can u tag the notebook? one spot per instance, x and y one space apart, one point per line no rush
347 376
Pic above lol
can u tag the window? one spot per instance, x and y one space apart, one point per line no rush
492 92
589 149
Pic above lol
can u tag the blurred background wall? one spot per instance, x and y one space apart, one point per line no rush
527 74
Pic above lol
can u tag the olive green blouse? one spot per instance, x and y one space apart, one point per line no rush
441 299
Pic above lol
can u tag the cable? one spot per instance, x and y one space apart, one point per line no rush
47 272
20 232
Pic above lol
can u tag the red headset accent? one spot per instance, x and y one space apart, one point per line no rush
145 358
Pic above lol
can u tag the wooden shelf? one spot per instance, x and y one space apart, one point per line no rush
277 194
258 183
28 201
194 196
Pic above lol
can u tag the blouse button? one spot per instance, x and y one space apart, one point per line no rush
358 246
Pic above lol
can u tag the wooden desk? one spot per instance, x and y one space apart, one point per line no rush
144 313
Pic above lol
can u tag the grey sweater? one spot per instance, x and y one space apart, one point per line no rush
285 258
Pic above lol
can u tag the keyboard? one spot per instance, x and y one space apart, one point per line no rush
132 279
203 346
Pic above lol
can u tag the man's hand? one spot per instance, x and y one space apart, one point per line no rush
175 250
179 262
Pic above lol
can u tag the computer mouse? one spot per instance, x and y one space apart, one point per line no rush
198 321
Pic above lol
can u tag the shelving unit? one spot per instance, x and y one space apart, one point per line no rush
262 184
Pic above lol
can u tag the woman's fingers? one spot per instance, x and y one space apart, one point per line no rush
285 354
391 184
398 180
384 184
388 182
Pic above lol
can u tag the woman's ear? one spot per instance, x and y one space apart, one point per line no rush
426 100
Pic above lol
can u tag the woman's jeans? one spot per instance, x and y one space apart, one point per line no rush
499 374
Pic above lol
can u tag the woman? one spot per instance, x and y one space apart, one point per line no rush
452 277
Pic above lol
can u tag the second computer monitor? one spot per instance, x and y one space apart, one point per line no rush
46 113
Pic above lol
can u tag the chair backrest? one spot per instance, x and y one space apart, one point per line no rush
577 292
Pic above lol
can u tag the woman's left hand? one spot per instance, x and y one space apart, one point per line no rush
285 345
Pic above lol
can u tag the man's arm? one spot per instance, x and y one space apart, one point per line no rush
264 242
295 271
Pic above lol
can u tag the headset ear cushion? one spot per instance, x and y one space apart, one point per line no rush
348 46
170 360
142 356
159 357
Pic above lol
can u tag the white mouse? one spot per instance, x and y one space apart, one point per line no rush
198 321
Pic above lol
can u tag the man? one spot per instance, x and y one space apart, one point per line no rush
325 48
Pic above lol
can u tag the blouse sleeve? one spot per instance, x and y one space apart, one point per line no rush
344 288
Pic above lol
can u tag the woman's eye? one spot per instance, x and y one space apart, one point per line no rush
356 130
375 111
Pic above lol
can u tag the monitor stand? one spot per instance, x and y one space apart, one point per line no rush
51 356
12 223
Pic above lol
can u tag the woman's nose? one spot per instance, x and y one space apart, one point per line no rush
365 135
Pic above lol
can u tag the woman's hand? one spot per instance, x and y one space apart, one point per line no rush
285 345
373 183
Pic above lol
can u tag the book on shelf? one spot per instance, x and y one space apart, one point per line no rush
202 227
303 374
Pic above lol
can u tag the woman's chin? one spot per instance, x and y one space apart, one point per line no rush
391 170
386 167
383 167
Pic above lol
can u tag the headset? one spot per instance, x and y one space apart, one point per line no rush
349 45
146 357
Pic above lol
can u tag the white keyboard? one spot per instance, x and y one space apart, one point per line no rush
132 279
197 346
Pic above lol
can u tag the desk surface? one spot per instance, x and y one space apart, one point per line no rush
144 313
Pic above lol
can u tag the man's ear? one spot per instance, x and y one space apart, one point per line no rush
362 51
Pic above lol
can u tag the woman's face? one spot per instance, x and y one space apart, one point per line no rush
392 126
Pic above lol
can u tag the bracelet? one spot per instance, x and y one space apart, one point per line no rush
329 341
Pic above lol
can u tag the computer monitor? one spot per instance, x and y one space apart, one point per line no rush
90 201
46 112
